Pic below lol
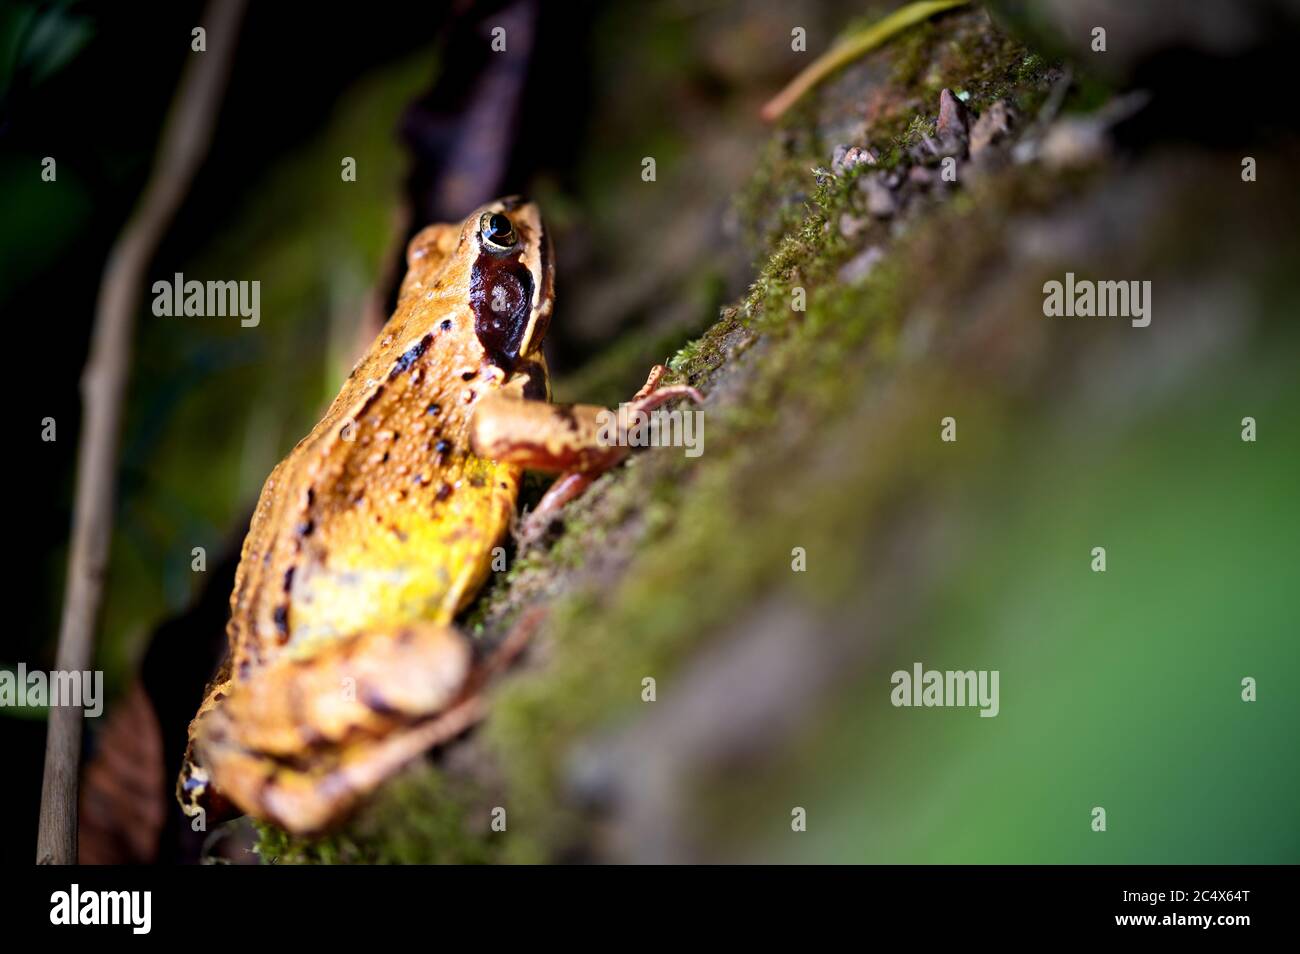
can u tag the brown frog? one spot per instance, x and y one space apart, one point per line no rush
379 527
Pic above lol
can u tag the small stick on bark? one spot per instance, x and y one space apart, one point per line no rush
185 139
860 43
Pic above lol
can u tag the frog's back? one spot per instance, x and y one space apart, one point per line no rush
382 513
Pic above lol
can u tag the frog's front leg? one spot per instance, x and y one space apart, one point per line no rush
572 440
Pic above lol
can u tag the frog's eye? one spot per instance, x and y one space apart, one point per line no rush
497 230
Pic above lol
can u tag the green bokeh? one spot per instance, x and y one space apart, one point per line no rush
1120 690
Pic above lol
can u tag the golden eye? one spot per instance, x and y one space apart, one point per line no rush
497 230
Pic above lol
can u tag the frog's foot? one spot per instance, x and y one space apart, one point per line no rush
304 738
571 484
651 387
307 797
577 441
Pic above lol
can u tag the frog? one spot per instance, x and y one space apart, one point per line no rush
343 662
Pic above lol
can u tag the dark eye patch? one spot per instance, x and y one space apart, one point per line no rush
501 294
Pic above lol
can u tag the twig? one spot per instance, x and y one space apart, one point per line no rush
184 143
854 46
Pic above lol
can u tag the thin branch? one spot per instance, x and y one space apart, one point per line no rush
185 140
854 46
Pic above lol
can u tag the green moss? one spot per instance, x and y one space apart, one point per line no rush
1030 68
724 525
419 820
683 546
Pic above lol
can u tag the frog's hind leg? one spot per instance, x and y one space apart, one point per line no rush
304 737
306 798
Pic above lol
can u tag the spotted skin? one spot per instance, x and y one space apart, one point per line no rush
378 528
